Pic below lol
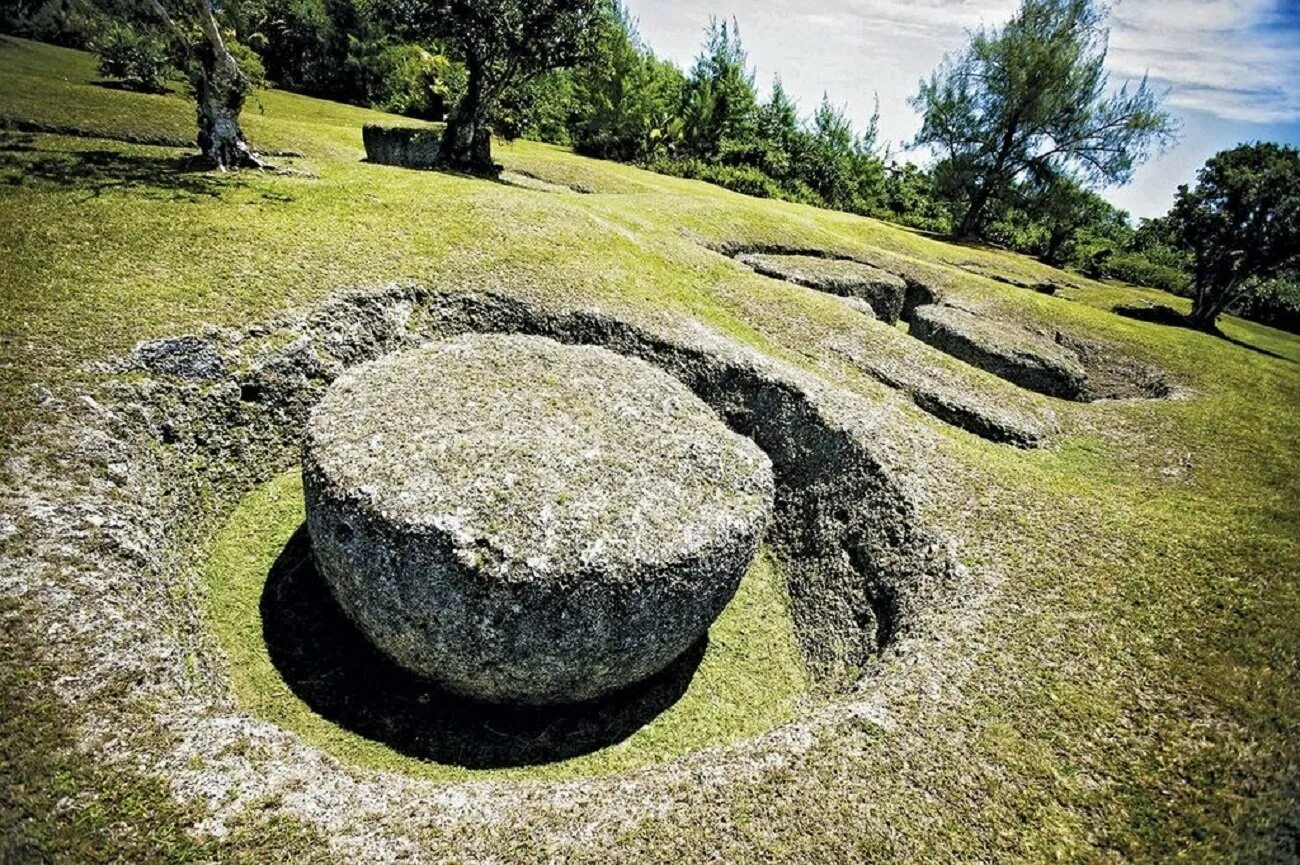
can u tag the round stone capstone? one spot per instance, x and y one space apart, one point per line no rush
529 522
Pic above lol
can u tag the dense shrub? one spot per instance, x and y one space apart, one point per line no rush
738 178
296 40
74 23
139 59
410 80
1275 302
1138 269
249 63
626 103
539 110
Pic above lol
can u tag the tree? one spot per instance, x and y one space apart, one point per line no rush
721 104
780 139
841 165
504 44
293 38
1069 216
1241 224
910 198
218 83
138 58
1031 99
627 102
220 88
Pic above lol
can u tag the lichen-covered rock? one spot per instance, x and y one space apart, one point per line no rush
883 291
1013 353
405 146
860 305
525 521
188 356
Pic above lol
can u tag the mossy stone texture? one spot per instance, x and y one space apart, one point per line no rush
1028 359
525 521
884 292
404 146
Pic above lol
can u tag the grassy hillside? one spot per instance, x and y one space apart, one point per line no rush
1130 693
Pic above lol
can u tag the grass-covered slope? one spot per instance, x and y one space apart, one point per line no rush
1130 692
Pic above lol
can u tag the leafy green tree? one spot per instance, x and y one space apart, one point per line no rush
504 45
720 113
780 134
840 165
1241 224
911 200
293 38
74 23
1071 217
627 102
135 56
1031 99
539 110
412 80
1157 240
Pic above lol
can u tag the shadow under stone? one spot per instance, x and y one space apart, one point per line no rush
335 670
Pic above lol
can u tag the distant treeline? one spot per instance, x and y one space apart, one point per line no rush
709 122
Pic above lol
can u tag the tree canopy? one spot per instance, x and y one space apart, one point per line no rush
1023 120
626 101
504 45
1030 100
1241 225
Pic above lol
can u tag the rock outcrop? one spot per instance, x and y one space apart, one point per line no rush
883 291
529 522
404 146
1018 355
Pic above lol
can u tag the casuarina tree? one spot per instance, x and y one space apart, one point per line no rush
1029 100
504 45
1241 225
720 111
626 102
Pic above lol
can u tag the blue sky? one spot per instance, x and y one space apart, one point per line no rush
1232 67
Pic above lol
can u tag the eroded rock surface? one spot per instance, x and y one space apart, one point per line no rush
883 291
529 522
1013 353
405 146
188 356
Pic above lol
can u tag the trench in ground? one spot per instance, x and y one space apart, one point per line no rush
1109 373
853 568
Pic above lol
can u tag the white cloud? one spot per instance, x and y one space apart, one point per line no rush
1237 60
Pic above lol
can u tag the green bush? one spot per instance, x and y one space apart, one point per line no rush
408 79
539 110
743 179
1138 269
1275 302
138 59
249 63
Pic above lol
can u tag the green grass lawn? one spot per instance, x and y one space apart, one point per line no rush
1130 693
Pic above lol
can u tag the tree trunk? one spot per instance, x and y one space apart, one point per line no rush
1056 241
1208 306
973 222
1205 318
467 140
219 92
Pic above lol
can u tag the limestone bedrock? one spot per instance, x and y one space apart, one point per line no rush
529 522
